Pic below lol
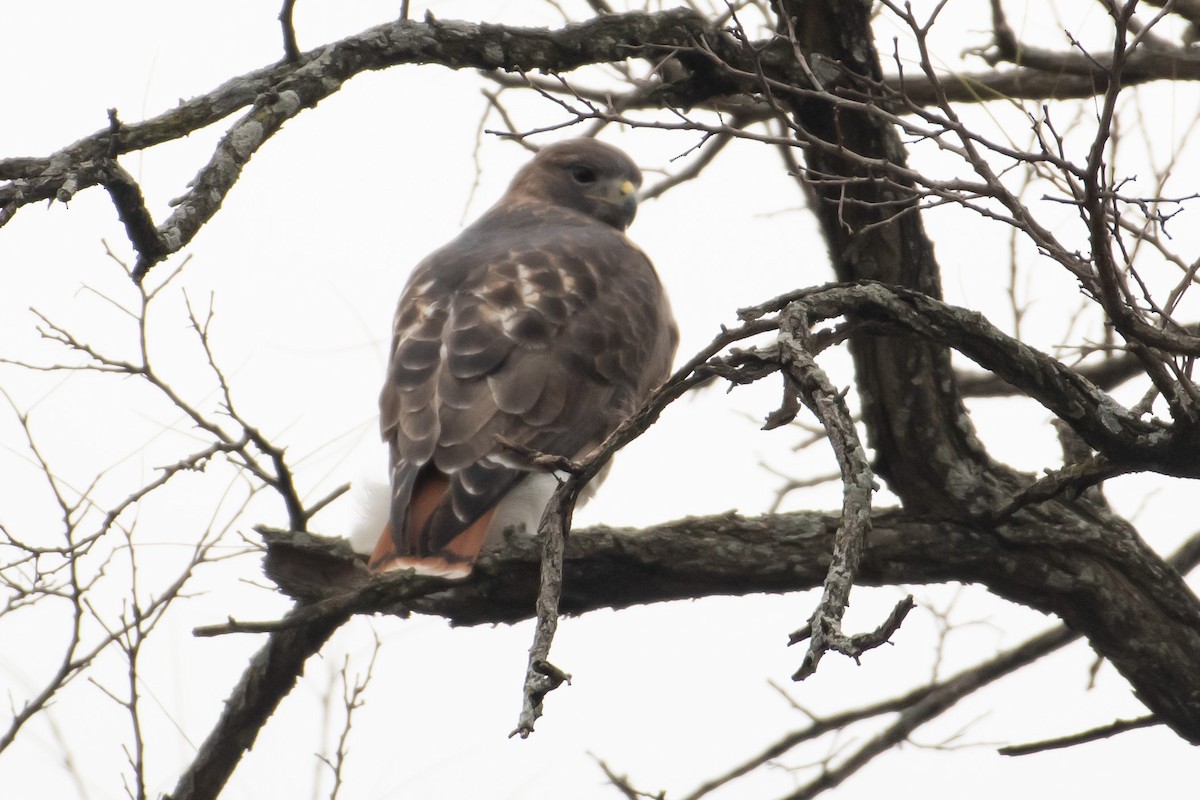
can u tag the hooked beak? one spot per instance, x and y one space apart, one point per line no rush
622 196
628 203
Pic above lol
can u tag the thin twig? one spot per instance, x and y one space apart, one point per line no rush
291 49
1083 737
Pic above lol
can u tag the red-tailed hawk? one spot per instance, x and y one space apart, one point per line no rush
540 324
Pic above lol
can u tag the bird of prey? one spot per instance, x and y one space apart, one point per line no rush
541 324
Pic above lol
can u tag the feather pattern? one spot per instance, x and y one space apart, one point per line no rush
542 324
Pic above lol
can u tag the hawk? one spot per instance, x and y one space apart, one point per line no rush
540 324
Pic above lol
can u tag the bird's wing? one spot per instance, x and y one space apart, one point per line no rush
546 335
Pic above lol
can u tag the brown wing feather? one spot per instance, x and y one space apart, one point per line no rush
539 325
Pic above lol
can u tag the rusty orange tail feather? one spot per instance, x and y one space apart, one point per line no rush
454 559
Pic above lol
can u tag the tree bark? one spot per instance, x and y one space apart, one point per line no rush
1091 568
268 678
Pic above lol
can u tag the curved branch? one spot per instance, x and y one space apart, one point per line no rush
1095 574
1106 374
806 382
1102 422
916 707
280 92
1154 60
269 677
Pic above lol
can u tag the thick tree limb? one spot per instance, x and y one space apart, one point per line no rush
608 567
1095 575
925 447
1103 423
910 406
274 670
1106 374
279 92
616 568
916 707
271 674
1097 68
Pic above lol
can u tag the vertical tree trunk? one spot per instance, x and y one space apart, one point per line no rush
923 441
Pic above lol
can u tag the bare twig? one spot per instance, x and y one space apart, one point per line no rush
352 699
291 49
541 676
1093 735
269 677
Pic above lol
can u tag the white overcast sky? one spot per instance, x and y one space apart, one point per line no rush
303 266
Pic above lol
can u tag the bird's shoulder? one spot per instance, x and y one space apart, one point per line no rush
532 267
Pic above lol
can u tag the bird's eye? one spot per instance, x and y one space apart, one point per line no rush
583 174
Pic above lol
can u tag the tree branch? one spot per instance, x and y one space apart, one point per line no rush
1132 607
271 674
808 382
1092 735
281 91
1103 423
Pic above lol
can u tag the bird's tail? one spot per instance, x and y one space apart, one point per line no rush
413 550
444 564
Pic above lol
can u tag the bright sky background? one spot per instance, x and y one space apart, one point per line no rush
303 266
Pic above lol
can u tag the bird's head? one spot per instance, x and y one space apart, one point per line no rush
585 175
